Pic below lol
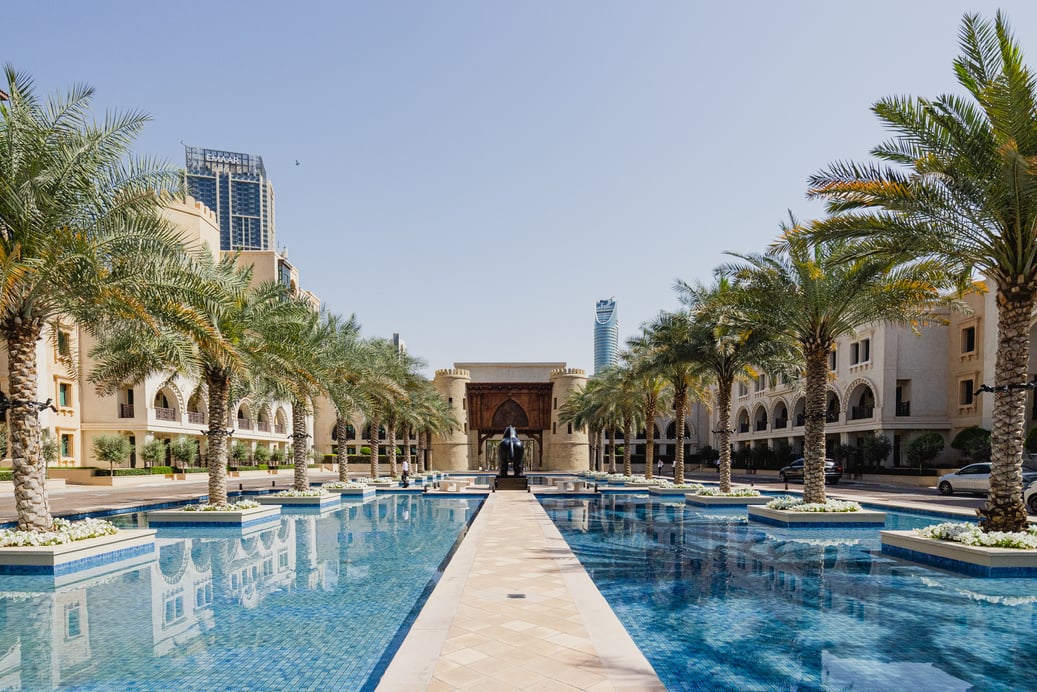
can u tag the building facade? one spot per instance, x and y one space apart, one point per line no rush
606 335
236 188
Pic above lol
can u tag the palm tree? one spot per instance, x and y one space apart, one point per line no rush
653 390
591 408
668 337
244 339
80 236
965 193
629 402
725 350
808 295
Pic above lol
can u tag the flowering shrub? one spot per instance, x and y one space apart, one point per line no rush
597 474
317 492
64 532
641 480
970 534
737 492
694 487
233 507
339 485
796 504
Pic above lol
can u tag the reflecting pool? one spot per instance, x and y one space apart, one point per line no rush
718 603
313 601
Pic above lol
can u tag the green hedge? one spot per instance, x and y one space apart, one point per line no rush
6 475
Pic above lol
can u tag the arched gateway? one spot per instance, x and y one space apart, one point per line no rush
488 397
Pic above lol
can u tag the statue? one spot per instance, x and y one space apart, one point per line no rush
510 452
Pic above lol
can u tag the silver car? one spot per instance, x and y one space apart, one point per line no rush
974 478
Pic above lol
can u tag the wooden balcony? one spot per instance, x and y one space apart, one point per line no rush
125 410
263 426
196 417
244 424
165 413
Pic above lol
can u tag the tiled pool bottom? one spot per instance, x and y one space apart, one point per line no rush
317 601
717 603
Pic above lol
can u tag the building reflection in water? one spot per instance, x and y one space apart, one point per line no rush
206 589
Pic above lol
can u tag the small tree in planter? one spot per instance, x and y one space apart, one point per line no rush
238 454
262 455
151 451
183 452
874 449
974 443
113 449
924 448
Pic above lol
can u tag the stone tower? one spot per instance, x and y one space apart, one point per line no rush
565 448
450 450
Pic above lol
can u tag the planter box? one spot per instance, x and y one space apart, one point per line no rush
783 517
91 554
352 493
976 561
317 501
717 501
163 518
654 490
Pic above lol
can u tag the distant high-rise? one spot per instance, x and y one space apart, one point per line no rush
606 335
234 186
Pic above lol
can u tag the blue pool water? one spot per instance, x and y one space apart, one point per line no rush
718 603
312 601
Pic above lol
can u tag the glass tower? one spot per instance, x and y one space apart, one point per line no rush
234 186
606 335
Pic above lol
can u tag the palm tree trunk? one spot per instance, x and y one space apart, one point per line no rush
374 447
724 440
217 381
1004 510
29 466
651 401
390 433
406 445
814 423
680 403
342 452
612 448
628 433
299 436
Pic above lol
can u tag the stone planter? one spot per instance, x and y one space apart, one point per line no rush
163 518
352 493
654 490
784 517
720 501
78 557
315 501
976 561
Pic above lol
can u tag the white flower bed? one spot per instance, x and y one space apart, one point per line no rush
597 474
339 485
796 504
620 478
738 492
970 534
317 492
64 532
693 487
232 507
641 480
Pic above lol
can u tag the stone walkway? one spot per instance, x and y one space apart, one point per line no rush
515 610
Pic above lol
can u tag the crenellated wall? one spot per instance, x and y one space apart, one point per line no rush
565 447
450 451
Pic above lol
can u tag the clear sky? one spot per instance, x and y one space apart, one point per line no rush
475 175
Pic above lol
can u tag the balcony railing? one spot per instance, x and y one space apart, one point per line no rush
903 408
761 425
125 410
858 412
195 417
263 426
801 419
244 424
832 417
743 427
781 423
165 413
280 429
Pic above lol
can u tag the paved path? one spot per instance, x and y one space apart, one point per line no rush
515 610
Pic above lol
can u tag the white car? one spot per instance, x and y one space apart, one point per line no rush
974 478
1030 498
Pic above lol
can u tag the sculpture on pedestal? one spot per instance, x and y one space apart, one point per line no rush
509 453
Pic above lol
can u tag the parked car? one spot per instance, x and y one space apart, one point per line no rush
794 471
974 478
1030 498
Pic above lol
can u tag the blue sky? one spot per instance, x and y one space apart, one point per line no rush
475 175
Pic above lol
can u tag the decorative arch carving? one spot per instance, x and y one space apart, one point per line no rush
178 395
852 387
777 402
510 412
